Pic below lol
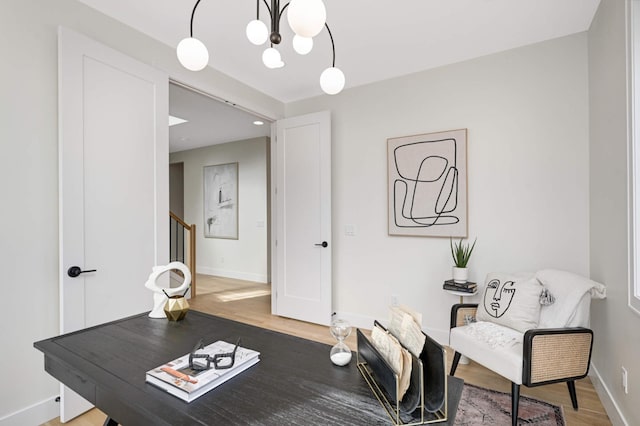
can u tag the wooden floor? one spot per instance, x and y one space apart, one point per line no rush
251 303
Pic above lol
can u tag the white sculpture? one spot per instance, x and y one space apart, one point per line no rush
160 294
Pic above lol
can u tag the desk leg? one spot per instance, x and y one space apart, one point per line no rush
110 422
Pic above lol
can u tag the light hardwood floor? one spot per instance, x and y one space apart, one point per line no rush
251 303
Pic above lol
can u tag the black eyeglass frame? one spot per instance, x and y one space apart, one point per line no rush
216 359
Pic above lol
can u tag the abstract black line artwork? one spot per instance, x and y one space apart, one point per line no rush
221 201
428 184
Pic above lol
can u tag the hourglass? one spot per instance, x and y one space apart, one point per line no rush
340 353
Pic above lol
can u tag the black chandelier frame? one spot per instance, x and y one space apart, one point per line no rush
276 14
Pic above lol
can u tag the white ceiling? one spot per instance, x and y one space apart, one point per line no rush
210 122
374 39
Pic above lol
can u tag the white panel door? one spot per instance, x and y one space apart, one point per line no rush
113 186
303 218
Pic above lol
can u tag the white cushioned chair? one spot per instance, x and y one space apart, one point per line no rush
552 345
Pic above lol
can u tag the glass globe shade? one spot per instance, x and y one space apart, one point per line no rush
332 80
302 45
271 58
257 32
306 17
192 54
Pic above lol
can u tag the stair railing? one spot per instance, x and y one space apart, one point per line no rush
182 245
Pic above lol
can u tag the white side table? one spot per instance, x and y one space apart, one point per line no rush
462 295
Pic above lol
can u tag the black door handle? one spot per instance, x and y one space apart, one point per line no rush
322 244
75 271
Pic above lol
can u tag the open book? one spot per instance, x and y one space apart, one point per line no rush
179 380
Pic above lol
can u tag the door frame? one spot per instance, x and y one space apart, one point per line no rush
270 176
323 118
74 49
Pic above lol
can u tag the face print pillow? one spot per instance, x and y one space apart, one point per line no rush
511 300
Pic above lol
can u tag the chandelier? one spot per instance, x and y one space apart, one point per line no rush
306 18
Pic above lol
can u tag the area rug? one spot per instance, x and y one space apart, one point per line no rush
479 406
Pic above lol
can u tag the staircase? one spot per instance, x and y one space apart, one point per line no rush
182 246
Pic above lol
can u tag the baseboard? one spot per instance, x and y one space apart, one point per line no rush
246 276
609 403
35 414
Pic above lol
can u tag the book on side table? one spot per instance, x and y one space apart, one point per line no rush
179 379
468 287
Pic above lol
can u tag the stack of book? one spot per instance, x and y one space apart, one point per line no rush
467 287
179 380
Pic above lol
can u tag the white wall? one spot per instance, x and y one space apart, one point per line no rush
246 257
616 326
29 172
526 112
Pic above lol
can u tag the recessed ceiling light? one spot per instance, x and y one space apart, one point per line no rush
175 120
258 123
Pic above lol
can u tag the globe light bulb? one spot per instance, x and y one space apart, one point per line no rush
332 80
306 17
271 58
257 32
302 45
192 54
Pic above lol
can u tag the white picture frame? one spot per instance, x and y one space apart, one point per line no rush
221 201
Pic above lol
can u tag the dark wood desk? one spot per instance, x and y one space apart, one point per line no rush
293 384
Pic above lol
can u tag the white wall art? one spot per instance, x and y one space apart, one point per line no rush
428 184
221 201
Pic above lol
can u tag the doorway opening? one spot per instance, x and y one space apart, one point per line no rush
233 239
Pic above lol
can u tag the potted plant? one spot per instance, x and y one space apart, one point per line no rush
461 253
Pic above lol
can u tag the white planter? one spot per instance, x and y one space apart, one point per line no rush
460 275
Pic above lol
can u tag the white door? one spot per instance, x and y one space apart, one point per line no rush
113 152
302 276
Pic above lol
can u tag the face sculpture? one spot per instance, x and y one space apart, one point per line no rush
498 297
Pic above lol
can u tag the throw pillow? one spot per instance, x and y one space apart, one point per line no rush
511 300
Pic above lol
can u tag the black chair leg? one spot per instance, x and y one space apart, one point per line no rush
572 391
454 364
515 399
110 422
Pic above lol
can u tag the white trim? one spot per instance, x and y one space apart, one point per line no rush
36 414
246 276
633 138
608 402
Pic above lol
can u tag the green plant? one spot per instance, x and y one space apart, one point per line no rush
461 252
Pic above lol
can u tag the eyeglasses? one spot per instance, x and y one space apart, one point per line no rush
220 361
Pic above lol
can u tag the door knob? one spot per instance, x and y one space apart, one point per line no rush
322 244
75 271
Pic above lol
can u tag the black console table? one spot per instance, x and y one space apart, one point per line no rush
294 383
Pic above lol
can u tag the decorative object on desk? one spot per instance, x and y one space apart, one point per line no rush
221 201
340 353
461 254
180 379
160 294
425 398
427 184
176 308
480 406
